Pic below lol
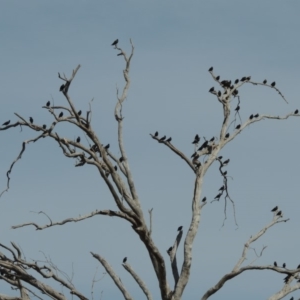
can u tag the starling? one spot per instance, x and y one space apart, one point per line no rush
170 249
6 123
212 139
169 139
115 42
256 116
225 173
273 84
193 155
204 145
61 114
274 209
48 104
31 120
298 267
238 126
251 117
204 199
124 260
79 113
296 111
218 77
225 83
283 265
44 126
218 196
243 79
248 78
121 53
235 92
196 139
220 157
156 134
225 163
227 135
265 81
106 147
237 108
210 69
219 93
236 81
179 228
211 89
163 138
78 140
279 213
121 159
222 188
61 87
275 264
116 168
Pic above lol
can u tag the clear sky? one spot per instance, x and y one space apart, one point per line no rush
175 44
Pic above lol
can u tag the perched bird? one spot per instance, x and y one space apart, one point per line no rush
218 196
78 140
265 81
121 53
292 298
156 134
210 69
212 139
204 145
243 79
44 126
179 228
170 249
279 213
48 104
121 159
6 123
196 139
283 265
115 42
235 92
296 111
222 188
298 267
274 209
273 84
220 157
238 126
219 93
204 199
79 113
218 77
286 280
163 138
31 120
225 163
124 260
275 264
256 116
106 147
116 168
237 108
169 139
211 89
236 81
227 135
225 173
251 117
248 78
193 155
61 87
61 114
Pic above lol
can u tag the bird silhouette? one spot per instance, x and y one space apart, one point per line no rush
226 162
107 146
274 209
61 87
217 78
169 139
218 196
283 265
78 140
179 228
256 116
227 135
163 138
296 111
222 188
279 213
275 264
121 159
220 157
61 114
212 139
156 134
6 123
265 81
170 249
204 199
115 42
237 108
236 81
48 104
210 69
44 126
196 139
243 79
116 168
124 260
238 126
251 117
211 89
273 84
79 113
31 120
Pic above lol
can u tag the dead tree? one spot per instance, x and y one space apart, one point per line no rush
116 173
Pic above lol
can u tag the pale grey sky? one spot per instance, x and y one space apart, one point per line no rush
175 44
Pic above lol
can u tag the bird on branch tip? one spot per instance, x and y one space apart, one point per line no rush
31 120
283 265
79 113
48 104
243 79
169 139
115 42
210 69
256 116
279 213
6 123
204 199
265 81
212 139
217 78
275 264
296 111
211 89
124 260
163 138
107 146
274 209
61 87
196 139
61 114
222 188
226 162
273 84
218 196
179 228
156 134
251 117
78 140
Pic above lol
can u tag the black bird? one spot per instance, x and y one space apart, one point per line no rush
106 147
163 138
121 53
115 42
296 111
220 157
275 264
204 199
193 155
48 104
44 126
298 267
170 249
31 120
292 298
218 196
210 69
235 92
212 139
274 209
283 265
256 116
218 77
179 228
196 139
237 108
243 79
6 123
225 173
226 83
273 84
169 139
225 163
79 113
286 280
279 213
61 114
78 140
61 87
236 81
238 126
124 260
248 78
219 93
121 159
204 145
251 117
156 133
211 89
227 135
116 168
265 81
222 188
